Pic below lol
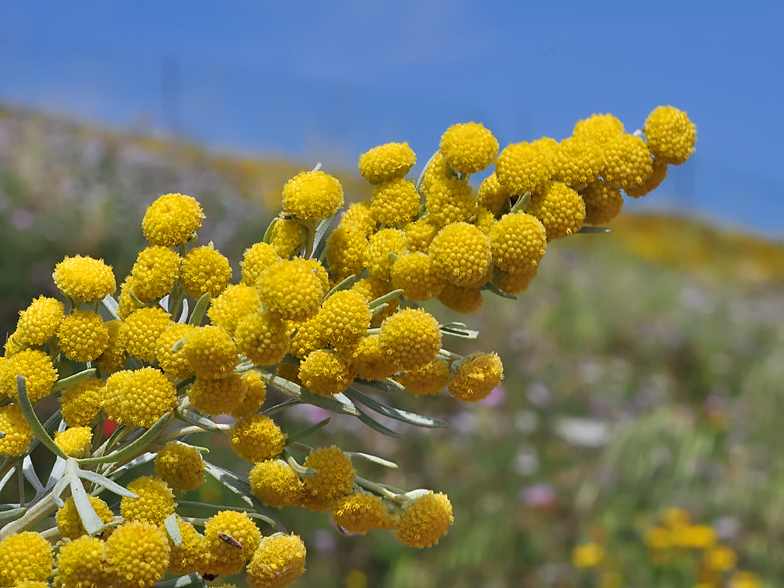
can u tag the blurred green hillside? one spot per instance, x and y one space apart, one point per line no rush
644 370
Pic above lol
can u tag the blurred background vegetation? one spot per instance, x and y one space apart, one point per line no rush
644 371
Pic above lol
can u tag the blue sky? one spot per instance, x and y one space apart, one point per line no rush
328 80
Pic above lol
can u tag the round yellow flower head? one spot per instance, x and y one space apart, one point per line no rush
262 338
334 473
147 395
204 270
39 322
419 235
468 148
517 242
325 373
410 338
312 196
189 556
125 304
211 352
18 433
37 369
74 441
599 128
369 362
461 254
174 363
217 395
277 562
429 379
588 555
476 376
720 559
275 483
83 336
425 520
70 524
603 202
492 195
308 337
172 220
416 275
223 557
346 251
372 288
84 278
154 273
359 216
31 584
344 319
142 329
290 290
361 512
80 403
288 237
699 537
395 202
670 135
384 162
155 502
256 438
519 282
377 255
255 395
627 161
523 167
80 564
12 346
289 372
25 556
450 201
463 299
136 555
314 503
115 394
577 161
236 301
180 466
257 258
560 209
114 355
651 182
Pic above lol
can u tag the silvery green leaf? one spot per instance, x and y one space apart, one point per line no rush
90 519
184 314
337 403
396 413
199 310
173 529
321 230
132 450
31 476
8 475
459 330
197 420
588 229
100 480
387 385
385 298
342 285
73 379
32 419
111 305
301 434
497 291
11 515
522 203
376 426
58 470
192 580
372 458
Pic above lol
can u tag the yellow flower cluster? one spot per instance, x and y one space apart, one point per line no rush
316 314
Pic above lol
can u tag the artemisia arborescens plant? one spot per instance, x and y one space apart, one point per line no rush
324 314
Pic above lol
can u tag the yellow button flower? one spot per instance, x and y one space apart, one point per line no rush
172 220
425 520
391 160
312 196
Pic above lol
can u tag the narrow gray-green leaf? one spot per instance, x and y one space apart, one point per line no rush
32 419
199 310
173 529
58 469
372 458
90 519
522 203
321 230
111 305
8 475
376 426
281 407
589 229
303 433
385 298
31 476
292 390
11 515
454 330
395 413
490 287
388 385
132 449
342 285
100 480
197 420
73 379
184 314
